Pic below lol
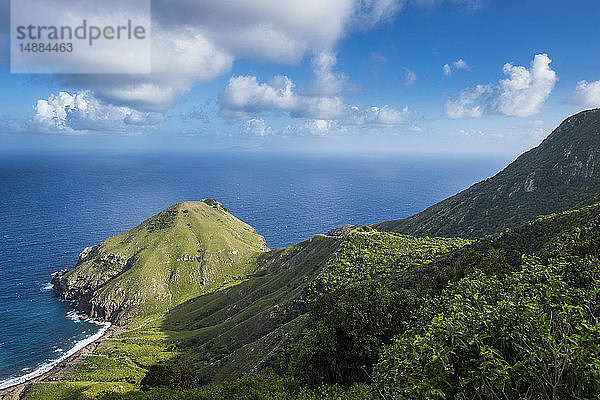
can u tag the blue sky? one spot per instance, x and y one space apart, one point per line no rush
453 76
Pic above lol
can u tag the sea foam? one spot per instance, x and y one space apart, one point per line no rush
42 369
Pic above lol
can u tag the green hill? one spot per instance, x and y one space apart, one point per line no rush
560 173
187 250
240 329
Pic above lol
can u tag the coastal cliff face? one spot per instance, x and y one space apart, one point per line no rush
187 250
560 173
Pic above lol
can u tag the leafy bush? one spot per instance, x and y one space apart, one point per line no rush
179 377
530 335
347 329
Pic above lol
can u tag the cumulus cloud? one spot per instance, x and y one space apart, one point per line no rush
521 94
467 105
587 94
198 40
382 116
81 112
326 82
321 99
245 98
457 65
524 92
355 120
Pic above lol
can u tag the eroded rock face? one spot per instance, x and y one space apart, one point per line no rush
80 284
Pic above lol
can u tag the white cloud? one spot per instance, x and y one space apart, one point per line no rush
457 65
409 78
315 127
244 97
82 112
587 94
382 116
467 105
447 69
356 120
461 64
255 127
325 82
522 94
198 40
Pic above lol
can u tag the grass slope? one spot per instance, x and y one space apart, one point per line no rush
561 172
187 250
242 328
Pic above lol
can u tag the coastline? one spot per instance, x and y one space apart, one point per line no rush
61 367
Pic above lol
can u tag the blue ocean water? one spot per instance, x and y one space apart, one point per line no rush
54 205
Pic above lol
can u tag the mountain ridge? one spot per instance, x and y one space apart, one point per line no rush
558 174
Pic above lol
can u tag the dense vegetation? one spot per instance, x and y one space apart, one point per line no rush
555 176
527 334
531 334
346 330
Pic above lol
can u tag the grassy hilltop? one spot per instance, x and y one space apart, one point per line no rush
187 250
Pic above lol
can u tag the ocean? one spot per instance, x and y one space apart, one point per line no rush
54 205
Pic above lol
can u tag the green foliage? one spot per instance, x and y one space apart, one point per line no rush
532 334
492 262
397 260
162 220
346 330
576 232
265 385
179 377
100 368
73 390
215 204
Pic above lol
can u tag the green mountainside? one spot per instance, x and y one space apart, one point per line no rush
243 328
542 236
561 172
187 250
